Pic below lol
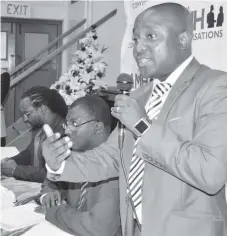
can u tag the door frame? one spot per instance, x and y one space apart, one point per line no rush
15 24
15 21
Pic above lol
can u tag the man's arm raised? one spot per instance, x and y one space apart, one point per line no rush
95 165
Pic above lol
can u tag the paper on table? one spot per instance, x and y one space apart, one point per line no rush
19 217
45 228
22 189
7 198
8 152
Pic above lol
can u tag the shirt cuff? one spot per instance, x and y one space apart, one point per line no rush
57 172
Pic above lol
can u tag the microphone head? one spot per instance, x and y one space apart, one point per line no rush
124 82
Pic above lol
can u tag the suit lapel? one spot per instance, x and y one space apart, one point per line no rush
181 84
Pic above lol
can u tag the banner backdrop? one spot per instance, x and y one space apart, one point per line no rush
209 39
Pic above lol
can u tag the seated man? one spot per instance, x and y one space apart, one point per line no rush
39 106
91 208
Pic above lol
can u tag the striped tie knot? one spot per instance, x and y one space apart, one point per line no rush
156 100
161 88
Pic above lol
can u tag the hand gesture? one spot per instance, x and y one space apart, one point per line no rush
55 150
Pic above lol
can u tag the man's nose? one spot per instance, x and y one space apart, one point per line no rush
140 46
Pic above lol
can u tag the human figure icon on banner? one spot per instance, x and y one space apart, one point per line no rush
220 18
210 17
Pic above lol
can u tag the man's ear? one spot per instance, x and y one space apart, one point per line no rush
99 126
184 40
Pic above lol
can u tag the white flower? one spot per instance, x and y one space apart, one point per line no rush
88 62
81 55
97 56
83 86
92 75
99 83
79 94
86 68
75 67
96 44
99 67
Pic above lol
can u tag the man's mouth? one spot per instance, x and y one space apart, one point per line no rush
143 61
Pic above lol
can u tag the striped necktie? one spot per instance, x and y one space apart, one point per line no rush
136 172
37 145
82 196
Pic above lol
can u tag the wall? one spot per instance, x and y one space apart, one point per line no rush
75 13
110 34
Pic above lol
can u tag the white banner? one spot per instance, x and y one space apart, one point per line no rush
209 40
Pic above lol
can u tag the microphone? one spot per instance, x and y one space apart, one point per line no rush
124 84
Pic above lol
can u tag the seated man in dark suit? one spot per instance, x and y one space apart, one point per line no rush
39 105
91 208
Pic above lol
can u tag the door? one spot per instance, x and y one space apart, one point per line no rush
30 38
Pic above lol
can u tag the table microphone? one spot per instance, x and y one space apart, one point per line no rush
124 84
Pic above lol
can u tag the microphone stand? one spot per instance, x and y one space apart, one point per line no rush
120 143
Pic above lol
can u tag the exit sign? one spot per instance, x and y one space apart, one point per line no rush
15 9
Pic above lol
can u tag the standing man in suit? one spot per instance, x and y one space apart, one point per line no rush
92 208
176 136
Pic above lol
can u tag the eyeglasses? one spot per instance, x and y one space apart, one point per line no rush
75 124
26 115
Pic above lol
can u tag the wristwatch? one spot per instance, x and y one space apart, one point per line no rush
141 126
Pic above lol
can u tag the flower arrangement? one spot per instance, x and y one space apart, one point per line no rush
86 71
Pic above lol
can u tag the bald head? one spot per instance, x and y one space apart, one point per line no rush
93 107
163 36
90 121
174 15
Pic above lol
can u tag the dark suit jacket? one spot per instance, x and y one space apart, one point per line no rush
25 169
185 152
100 215
5 86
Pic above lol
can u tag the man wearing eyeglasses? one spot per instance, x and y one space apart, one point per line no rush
39 105
91 208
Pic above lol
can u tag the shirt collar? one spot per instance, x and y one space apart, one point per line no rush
172 78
